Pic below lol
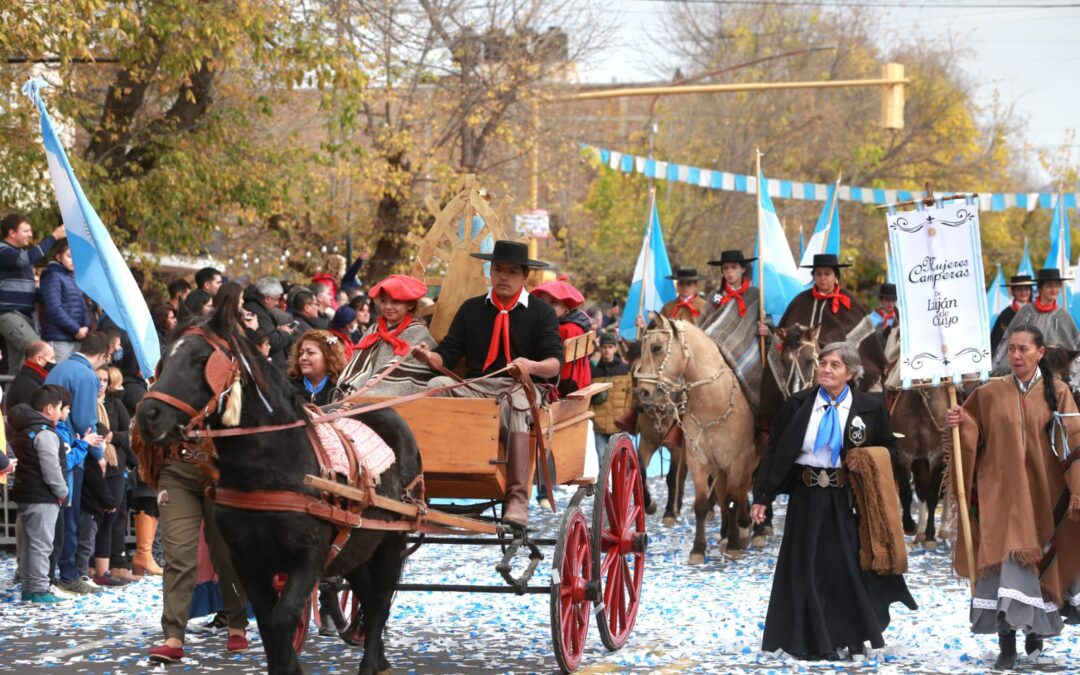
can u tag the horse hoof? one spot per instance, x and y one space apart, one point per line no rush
769 531
734 554
696 559
930 545
758 541
651 508
668 521
920 538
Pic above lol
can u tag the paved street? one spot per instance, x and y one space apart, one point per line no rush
701 619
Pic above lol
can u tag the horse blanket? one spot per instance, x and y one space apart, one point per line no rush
345 436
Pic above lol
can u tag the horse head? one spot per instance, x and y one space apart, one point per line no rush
661 364
198 378
798 356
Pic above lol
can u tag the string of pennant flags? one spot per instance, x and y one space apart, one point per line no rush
787 189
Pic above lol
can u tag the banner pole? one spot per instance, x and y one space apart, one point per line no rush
961 496
648 249
761 253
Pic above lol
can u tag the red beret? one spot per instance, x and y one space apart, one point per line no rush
561 291
400 287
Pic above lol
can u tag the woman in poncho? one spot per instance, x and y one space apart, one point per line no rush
389 340
1025 499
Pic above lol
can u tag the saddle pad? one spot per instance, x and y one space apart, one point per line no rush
371 450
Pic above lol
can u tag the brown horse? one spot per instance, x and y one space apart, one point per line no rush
681 375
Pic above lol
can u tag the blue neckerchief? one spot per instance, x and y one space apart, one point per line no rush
829 436
315 388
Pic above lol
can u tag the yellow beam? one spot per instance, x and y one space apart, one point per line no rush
728 88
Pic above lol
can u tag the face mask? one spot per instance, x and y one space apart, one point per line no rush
49 365
118 355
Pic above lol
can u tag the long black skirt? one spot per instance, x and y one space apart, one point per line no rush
821 599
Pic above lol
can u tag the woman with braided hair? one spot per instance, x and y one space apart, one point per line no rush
1024 492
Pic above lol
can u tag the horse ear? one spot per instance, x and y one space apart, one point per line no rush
814 332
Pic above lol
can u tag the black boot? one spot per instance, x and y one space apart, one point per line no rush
1033 645
857 653
1006 660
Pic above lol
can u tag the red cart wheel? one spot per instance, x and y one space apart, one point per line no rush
619 541
352 632
300 636
570 603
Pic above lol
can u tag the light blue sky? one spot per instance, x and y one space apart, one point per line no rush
1029 55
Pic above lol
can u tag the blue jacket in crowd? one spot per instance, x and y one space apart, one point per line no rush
78 376
65 310
18 292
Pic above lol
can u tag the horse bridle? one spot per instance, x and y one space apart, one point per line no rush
796 378
222 369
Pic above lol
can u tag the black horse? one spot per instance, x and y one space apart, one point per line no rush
268 543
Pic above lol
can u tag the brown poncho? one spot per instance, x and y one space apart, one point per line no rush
410 377
1019 482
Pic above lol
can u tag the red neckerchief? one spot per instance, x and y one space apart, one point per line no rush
736 294
836 296
687 303
1045 309
886 319
37 369
500 334
1016 305
382 332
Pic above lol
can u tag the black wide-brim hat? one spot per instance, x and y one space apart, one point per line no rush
826 260
510 253
733 256
1021 280
684 274
1050 274
887 291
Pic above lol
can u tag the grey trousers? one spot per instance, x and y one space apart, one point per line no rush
35 543
18 332
514 414
88 529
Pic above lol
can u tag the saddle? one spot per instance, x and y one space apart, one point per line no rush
347 450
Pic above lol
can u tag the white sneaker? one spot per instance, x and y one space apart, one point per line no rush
90 582
56 590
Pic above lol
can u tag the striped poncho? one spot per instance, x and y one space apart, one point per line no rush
408 378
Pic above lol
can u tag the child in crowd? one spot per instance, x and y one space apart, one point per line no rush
41 487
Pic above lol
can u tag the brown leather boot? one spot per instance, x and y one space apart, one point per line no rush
627 421
518 479
143 562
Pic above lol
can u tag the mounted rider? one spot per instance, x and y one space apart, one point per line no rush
1022 289
688 306
1045 313
731 320
886 317
504 327
840 318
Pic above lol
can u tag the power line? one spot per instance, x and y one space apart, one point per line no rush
864 4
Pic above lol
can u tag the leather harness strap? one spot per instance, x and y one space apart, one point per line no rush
286 500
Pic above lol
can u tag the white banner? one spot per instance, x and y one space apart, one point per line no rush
944 325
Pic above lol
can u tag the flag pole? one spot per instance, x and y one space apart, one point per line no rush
1063 252
761 253
648 248
832 212
888 261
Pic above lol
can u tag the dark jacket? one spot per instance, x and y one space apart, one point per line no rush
120 426
134 383
329 394
789 428
65 310
18 292
534 334
280 341
96 496
616 367
41 477
28 380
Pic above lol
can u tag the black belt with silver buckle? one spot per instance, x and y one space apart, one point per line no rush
824 478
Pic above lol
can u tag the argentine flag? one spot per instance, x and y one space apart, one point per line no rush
1025 263
100 271
783 279
650 279
826 237
997 296
1060 240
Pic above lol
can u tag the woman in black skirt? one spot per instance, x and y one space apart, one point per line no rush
822 601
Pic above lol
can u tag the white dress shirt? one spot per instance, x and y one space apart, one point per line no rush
822 459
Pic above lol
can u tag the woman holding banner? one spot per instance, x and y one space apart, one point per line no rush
1025 496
